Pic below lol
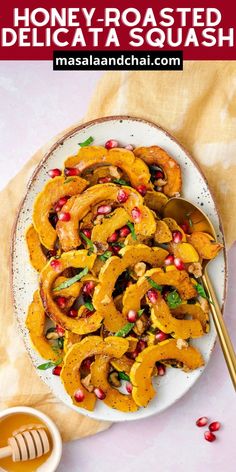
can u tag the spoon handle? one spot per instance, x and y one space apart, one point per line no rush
223 335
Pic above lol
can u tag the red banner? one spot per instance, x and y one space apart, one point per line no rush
202 30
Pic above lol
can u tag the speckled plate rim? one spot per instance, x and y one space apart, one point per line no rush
59 142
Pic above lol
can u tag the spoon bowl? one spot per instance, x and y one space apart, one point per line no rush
184 211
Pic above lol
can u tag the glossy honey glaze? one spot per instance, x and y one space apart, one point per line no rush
10 424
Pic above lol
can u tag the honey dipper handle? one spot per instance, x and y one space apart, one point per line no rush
223 335
5 452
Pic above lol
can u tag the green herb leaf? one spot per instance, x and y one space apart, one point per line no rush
105 255
128 327
87 142
88 241
71 281
121 182
173 299
154 284
140 312
125 330
69 179
117 244
123 376
201 291
60 342
132 230
49 364
89 306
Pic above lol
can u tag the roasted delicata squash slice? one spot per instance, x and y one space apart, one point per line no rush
48 276
176 278
154 155
123 364
53 190
163 233
193 310
87 157
173 226
68 230
114 398
36 254
101 232
141 372
89 346
35 322
185 251
70 339
204 244
162 318
155 200
111 270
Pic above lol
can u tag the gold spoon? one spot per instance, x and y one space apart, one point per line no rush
182 210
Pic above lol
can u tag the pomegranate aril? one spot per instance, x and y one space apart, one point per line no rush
104 180
129 147
54 173
88 288
202 421
152 295
113 238
100 394
64 216
61 301
104 210
128 387
57 370
215 426
169 260
177 237
179 263
161 369
124 231
111 143
141 345
60 330
136 214
87 232
55 264
79 395
142 189
160 336
73 313
132 316
72 171
209 436
60 203
159 175
122 196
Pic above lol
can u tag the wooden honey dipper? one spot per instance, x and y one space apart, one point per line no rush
27 443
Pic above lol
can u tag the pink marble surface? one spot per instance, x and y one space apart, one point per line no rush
36 103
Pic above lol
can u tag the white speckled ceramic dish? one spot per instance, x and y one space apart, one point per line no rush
24 279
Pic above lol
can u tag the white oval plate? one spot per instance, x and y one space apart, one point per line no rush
126 130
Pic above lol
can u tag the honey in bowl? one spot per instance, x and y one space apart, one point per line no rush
9 425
